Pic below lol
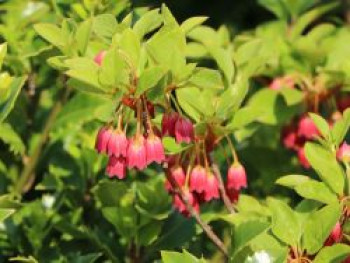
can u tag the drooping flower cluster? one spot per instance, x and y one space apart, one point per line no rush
135 152
294 137
193 171
138 151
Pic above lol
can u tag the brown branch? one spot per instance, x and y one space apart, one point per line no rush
206 228
223 193
27 176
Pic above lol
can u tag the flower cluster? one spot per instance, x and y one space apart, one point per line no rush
137 151
192 171
294 137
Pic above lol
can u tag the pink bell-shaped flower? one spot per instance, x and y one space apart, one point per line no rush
179 176
117 144
302 158
168 123
211 190
232 194
236 177
184 130
307 128
116 167
136 154
102 139
198 179
335 236
343 154
181 207
154 149
99 57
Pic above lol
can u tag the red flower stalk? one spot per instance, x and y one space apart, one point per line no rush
181 207
168 123
184 130
343 153
117 144
198 179
154 149
211 190
102 139
236 177
179 176
100 56
136 154
307 128
116 167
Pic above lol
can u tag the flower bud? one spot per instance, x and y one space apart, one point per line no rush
99 57
184 130
307 128
102 139
302 158
343 153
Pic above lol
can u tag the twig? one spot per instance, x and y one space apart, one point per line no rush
206 228
224 196
27 176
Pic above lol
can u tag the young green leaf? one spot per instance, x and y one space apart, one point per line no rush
206 78
192 22
318 227
175 257
329 171
316 191
292 180
149 78
52 34
82 36
341 127
322 125
147 23
3 51
14 90
285 224
335 254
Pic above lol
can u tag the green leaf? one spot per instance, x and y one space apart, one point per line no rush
291 96
105 26
10 137
245 232
316 191
149 79
224 60
206 79
147 23
318 227
5 213
330 171
130 43
305 20
192 22
276 7
3 51
292 180
109 193
13 89
114 70
333 254
322 125
285 224
243 117
52 34
175 257
82 36
231 99
341 127
149 233
171 147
